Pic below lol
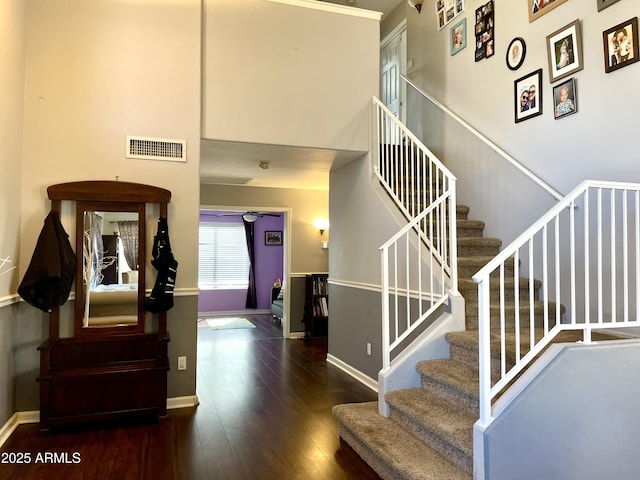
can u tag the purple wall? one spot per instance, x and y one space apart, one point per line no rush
268 268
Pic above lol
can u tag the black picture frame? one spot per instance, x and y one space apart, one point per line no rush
524 84
273 237
516 53
615 54
565 99
484 31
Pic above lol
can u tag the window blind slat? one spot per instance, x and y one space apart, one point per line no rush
223 260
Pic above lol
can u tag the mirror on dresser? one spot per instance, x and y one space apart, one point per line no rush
110 258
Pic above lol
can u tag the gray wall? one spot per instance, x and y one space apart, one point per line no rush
584 405
361 221
562 152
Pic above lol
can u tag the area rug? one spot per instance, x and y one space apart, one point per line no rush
228 323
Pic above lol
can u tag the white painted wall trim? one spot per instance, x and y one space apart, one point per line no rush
331 7
20 418
9 300
349 370
182 402
17 419
357 285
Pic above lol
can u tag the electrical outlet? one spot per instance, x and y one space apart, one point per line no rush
182 363
368 349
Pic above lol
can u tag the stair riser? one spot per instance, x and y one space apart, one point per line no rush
478 251
435 441
451 394
472 232
471 321
469 356
470 293
469 269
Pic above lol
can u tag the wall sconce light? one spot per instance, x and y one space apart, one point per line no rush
321 224
417 4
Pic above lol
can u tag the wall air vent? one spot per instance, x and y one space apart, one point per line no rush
157 149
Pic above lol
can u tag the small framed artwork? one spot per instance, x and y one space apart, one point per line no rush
602 4
537 8
620 45
565 99
273 237
447 10
484 31
564 51
516 52
528 96
458 35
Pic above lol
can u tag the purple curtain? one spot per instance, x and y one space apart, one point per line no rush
252 300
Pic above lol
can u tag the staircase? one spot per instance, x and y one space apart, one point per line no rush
429 434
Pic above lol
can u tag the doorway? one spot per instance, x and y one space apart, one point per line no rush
271 263
393 61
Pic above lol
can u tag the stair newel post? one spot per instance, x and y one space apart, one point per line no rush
484 350
385 308
453 237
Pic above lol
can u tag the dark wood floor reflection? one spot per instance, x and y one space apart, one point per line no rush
264 413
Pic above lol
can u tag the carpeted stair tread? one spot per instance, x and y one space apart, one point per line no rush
469 289
392 451
478 246
436 421
453 380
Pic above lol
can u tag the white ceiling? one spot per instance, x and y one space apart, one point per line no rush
289 167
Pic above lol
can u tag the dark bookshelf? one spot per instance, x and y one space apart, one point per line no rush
316 306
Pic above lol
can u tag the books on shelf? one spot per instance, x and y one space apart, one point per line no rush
321 307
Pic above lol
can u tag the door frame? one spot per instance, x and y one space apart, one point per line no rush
286 245
399 31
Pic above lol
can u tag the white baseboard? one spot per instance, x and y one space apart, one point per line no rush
357 374
296 335
182 402
20 418
17 419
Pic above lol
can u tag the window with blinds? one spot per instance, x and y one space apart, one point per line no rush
223 260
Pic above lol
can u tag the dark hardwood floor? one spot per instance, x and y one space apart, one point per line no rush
264 413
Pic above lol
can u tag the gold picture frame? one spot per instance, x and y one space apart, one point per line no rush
537 8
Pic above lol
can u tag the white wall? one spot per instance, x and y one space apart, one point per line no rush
597 142
96 72
12 27
285 75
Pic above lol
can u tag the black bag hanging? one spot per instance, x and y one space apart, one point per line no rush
161 298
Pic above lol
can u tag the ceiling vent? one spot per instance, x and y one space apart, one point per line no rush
157 149
213 179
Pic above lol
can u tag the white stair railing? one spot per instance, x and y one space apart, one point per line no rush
419 263
583 256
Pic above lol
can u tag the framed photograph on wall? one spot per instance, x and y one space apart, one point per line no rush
565 99
602 4
458 36
447 10
273 237
516 52
527 99
484 31
620 45
564 51
537 8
